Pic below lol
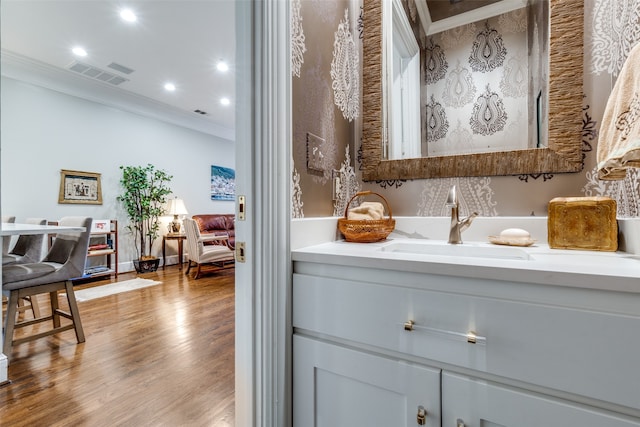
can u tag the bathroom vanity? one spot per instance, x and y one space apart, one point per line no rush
411 332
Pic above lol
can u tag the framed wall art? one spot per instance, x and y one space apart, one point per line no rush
80 187
223 183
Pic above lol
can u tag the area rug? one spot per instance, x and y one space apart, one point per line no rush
113 288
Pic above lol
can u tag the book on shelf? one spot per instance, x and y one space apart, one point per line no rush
99 246
100 251
96 269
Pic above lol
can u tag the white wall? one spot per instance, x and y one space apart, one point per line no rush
43 131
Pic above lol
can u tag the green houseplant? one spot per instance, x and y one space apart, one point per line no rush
144 197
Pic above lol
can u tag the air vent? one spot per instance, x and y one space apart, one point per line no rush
121 68
204 113
105 77
96 73
117 80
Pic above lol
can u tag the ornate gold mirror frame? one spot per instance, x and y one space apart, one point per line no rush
565 109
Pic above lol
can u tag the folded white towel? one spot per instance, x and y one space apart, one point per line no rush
619 140
366 211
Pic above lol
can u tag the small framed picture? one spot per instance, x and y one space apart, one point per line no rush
223 183
80 187
100 226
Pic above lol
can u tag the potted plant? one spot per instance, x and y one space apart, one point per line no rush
144 197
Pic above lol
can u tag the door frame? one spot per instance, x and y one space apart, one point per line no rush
263 164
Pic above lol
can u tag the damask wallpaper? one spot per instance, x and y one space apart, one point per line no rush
326 83
325 64
476 95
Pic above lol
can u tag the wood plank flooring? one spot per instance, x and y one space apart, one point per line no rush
157 356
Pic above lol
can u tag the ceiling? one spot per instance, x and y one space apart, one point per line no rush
178 41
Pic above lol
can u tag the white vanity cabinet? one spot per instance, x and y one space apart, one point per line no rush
371 346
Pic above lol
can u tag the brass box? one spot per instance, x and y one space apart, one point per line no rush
587 223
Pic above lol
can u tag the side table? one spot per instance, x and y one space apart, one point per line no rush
180 237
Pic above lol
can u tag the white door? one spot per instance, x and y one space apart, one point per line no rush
335 386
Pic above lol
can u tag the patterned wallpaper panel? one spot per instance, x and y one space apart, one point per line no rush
326 81
326 90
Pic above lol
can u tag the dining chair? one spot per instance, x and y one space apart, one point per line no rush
28 248
64 261
221 256
6 241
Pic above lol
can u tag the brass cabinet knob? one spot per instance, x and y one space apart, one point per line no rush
408 325
422 416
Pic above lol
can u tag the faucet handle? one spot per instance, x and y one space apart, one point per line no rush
466 222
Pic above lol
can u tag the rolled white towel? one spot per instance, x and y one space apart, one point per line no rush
366 211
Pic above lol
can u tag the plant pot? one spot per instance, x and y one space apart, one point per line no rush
146 265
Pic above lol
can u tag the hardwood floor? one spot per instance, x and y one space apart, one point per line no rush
157 356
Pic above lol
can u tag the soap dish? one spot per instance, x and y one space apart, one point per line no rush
497 240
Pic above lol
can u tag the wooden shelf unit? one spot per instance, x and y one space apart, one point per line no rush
110 253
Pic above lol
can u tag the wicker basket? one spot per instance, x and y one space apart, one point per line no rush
366 231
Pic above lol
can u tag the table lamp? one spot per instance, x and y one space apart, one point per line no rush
176 207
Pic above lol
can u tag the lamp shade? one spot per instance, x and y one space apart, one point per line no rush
176 207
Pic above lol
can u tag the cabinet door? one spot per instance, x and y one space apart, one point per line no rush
468 402
335 386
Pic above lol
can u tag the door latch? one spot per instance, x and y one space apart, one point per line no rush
240 254
242 207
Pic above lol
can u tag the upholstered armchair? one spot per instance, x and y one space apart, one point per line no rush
218 224
220 256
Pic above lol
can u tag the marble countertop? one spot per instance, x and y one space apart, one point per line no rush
612 271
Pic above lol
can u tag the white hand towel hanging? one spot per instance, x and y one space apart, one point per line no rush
619 140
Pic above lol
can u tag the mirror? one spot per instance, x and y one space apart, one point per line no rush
441 15
561 152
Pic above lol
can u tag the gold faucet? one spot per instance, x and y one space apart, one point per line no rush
457 225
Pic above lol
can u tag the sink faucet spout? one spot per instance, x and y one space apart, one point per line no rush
457 225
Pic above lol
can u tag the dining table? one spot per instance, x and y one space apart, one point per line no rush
16 229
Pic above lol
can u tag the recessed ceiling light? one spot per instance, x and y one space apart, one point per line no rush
128 15
78 51
170 87
225 101
222 66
